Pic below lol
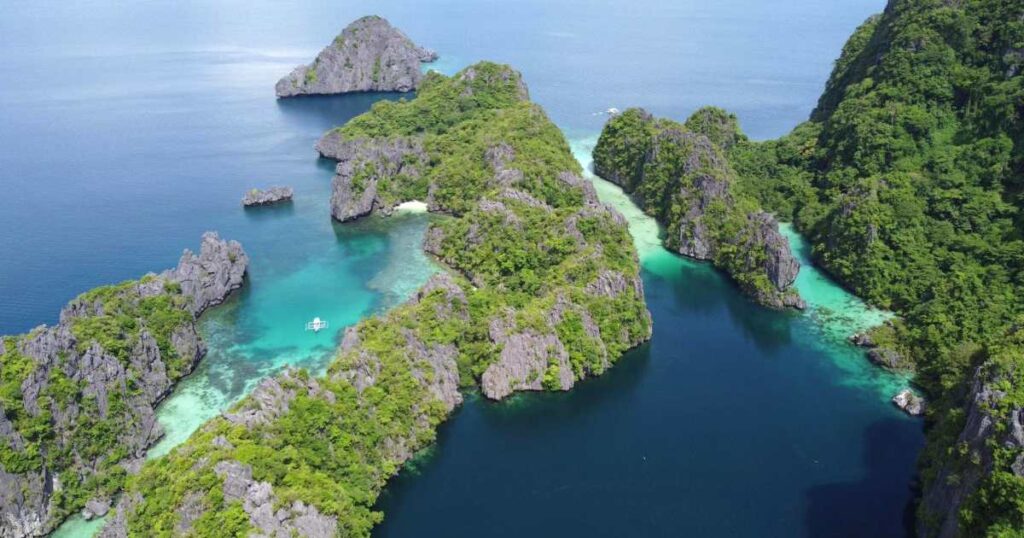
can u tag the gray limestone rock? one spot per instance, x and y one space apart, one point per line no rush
368 55
96 507
209 277
273 195
271 399
139 379
268 514
886 358
523 362
909 402
362 163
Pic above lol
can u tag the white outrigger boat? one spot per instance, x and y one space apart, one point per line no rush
316 325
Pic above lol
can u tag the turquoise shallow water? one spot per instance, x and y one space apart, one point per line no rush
262 329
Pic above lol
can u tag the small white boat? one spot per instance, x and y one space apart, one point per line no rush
316 325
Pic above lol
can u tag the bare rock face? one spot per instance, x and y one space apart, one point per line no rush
532 360
271 399
909 402
139 380
524 360
272 195
886 358
364 162
209 277
368 55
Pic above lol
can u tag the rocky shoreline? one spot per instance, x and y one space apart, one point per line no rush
86 375
273 195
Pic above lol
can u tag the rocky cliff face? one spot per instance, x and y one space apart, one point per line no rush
990 426
207 279
682 178
83 393
368 55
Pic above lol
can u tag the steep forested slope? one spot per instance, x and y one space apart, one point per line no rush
908 179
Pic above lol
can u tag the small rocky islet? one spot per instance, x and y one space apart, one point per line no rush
273 195
369 55
78 399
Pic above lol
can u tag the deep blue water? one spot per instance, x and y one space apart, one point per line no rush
128 130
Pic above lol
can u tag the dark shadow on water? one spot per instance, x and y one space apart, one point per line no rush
329 111
324 163
279 210
705 290
525 409
871 507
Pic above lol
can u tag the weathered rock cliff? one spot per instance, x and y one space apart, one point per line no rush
79 398
368 55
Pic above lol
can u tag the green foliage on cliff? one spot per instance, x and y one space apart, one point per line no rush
908 180
679 175
120 315
442 102
113 318
517 249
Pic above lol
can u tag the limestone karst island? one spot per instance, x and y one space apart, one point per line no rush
641 268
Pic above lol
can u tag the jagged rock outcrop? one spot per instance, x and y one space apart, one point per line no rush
271 398
82 372
682 178
886 358
362 164
524 360
533 360
368 55
264 508
273 195
208 278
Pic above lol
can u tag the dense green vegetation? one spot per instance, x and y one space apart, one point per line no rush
908 179
679 174
64 430
519 250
